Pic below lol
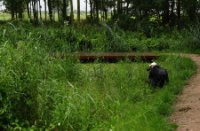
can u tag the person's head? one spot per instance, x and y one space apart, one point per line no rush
152 65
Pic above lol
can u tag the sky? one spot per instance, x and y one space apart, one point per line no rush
82 2
2 7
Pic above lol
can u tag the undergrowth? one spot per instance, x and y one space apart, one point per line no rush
41 92
100 38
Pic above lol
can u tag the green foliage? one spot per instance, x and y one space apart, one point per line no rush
22 70
191 39
101 38
41 88
40 92
149 112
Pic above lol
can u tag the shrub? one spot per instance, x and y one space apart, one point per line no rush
22 70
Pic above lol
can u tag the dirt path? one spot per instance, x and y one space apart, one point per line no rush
187 108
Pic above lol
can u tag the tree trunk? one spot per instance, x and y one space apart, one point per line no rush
78 11
58 11
28 10
178 12
35 15
12 15
127 7
64 11
119 7
114 11
86 10
91 10
72 11
166 12
20 15
50 10
192 10
106 14
12 11
20 10
45 9
97 11
40 10
54 11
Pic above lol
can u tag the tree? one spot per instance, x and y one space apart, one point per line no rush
28 8
35 12
91 8
78 10
16 8
45 9
72 11
50 6
97 3
190 7
64 10
179 10
86 8
39 5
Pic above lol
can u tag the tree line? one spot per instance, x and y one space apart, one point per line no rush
171 12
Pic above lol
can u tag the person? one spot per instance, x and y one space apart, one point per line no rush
157 75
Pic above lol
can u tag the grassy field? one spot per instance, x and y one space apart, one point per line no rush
42 92
137 105
6 16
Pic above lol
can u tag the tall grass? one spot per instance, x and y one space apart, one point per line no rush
99 38
39 91
148 109
23 70
191 40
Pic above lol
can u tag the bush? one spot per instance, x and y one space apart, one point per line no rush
191 40
22 70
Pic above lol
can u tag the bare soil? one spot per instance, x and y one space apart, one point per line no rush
187 107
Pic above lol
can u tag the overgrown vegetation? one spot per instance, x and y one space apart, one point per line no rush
43 88
40 91
101 38
45 93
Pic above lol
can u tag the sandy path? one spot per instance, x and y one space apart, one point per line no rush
187 108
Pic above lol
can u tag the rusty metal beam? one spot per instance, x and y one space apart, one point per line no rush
111 57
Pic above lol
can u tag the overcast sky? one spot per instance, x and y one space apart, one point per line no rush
42 4
82 4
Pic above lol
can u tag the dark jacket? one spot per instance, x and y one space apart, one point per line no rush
158 76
